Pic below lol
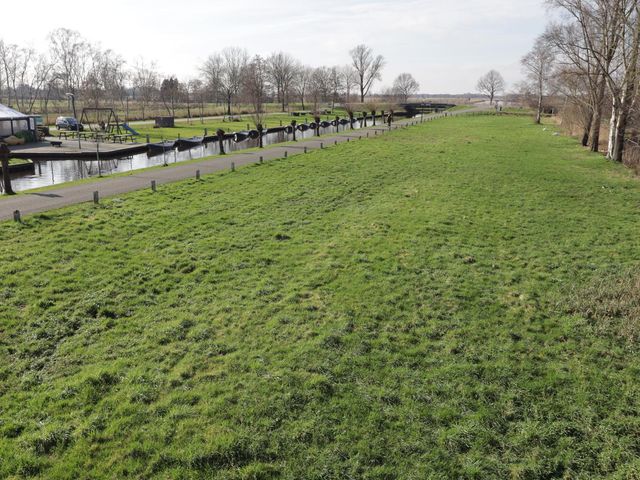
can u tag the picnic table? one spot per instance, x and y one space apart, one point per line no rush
122 138
67 134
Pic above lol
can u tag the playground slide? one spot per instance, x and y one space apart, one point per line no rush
129 129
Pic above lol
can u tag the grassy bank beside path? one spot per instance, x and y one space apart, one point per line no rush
426 304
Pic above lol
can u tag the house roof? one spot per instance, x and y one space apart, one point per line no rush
8 113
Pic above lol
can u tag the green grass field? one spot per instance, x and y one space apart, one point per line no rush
432 303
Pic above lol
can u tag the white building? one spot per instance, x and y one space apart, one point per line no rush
12 122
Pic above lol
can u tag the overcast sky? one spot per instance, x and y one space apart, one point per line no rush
445 44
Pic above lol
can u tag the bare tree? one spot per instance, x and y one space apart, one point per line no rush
169 93
26 73
254 86
212 71
234 61
349 80
145 84
2 77
491 84
301 82
611 35
579 68
591 41
368 68
70 53
281 68
336 83
405 85
9 60
538 65
320 86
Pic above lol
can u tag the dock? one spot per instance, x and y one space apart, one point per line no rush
68 150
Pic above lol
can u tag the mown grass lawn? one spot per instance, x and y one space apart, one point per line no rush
403 307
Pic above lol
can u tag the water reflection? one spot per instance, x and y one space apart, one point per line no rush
54 172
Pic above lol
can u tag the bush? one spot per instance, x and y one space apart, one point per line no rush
27 136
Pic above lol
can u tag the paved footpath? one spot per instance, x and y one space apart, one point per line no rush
35 202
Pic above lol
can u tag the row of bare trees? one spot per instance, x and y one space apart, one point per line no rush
97 77
590 58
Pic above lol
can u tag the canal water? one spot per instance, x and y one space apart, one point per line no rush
55 172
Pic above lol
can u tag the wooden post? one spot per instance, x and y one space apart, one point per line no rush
321 145
285 154
220 134
96 197
197 174
98 158
6 177
16 216
233 167
261 159
305 149
153 185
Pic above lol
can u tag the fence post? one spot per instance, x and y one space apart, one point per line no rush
321 145
96 197
197 174
233 167
305 149
261 159
153 185
286 154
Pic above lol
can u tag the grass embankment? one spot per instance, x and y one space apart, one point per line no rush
412 306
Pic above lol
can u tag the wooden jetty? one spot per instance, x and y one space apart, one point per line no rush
68 150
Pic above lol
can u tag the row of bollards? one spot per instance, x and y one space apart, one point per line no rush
96 195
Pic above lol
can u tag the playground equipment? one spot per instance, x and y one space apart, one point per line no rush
102 120
103 124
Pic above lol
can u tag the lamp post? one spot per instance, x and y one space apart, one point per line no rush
75 115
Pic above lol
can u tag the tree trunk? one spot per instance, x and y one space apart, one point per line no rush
6 178
587 129
539 111
596 123
612 129
623 120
